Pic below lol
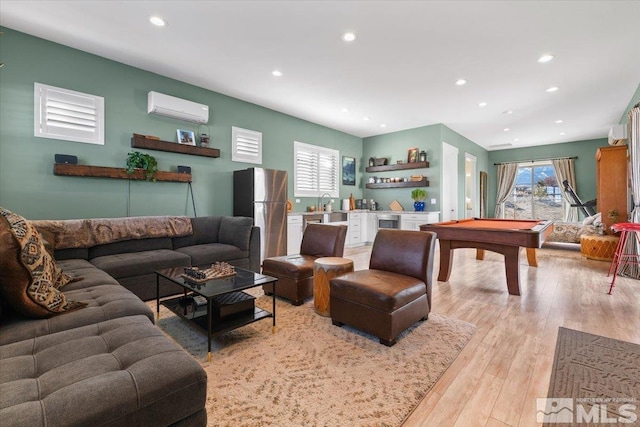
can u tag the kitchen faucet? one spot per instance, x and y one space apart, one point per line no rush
321 201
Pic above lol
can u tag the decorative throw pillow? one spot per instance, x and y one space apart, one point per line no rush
29 277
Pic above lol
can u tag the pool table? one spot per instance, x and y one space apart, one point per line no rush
504 236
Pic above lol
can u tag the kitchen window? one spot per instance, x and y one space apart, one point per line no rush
316 170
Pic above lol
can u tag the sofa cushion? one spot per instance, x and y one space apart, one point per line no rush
212 252
205 230
139 263
118 372
104 302
29 277
383 290
128 246
71 253
236 231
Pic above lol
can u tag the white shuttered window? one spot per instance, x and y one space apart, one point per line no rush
69 115
316 170
246 145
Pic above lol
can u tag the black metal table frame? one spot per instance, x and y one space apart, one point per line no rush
188 289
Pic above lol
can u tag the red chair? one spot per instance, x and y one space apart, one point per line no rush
620 258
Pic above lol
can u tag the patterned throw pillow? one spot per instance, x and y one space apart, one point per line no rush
29 277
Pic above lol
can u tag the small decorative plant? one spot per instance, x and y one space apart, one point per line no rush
138 160
418 195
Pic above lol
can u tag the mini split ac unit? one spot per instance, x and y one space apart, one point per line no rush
618 135
176 108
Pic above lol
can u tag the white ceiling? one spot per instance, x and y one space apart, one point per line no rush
401 69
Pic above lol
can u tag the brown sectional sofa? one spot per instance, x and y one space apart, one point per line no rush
107 363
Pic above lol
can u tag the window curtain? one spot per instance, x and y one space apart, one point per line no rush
632 247
565 170
506 183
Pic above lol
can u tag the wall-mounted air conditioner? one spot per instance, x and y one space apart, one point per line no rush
618 135
181 109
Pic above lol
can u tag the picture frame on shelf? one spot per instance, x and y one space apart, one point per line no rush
186 137
412 155
348 170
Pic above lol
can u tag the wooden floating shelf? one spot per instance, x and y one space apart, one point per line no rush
397 167
421 183
141 141
65 169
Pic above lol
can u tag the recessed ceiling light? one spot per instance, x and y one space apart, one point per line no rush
366 119
563 133
545 58
461 82
559 121
482 104
507 112
345 110
348 37
516 139
506 129
156 20
277 73
383 125
553 89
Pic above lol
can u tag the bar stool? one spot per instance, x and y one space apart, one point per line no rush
620 258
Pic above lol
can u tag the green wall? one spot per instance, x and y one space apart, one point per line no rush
27 183
585 164
395 146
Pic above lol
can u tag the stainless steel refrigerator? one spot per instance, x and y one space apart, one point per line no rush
262 195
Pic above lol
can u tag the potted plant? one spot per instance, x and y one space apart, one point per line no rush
418 195
138 160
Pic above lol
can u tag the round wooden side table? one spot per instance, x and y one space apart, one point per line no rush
325 269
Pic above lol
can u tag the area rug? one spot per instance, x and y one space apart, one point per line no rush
595 370
311 373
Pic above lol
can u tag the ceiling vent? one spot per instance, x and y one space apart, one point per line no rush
176 108
618 135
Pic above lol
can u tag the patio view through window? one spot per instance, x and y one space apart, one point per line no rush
536 194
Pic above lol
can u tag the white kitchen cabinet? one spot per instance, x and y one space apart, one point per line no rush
412 221
294 234
369 227
354 233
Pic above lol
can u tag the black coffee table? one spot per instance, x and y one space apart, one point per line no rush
226 306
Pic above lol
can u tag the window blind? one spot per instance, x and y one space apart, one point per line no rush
316 170
246 145
68 115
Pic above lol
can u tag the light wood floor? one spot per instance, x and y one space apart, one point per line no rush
507 364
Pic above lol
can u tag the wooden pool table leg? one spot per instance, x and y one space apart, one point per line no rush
531 257
446 259
512 268
479 253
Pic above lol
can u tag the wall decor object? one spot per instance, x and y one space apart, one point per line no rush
423 156
66 158
186 137
412 156
348 170
382 161
184 169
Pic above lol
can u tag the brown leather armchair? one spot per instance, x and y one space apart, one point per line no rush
295 272
394 293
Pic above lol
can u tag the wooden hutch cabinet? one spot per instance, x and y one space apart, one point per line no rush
611 183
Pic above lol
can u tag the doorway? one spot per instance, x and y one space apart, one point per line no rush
449 182
470 186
